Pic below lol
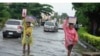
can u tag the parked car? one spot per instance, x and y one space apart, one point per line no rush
13 28
50 26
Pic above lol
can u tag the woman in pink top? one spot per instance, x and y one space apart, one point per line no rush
71 36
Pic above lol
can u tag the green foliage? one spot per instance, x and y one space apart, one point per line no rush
14 10
87 11
91 39
34 9
47 9
4 11
88 15
63 15
56 15
80 13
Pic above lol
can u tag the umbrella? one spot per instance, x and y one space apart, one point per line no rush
30 19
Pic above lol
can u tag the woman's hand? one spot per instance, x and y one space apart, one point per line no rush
28 34
75 41
67 19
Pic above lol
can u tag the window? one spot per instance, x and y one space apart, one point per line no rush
13 23
49 23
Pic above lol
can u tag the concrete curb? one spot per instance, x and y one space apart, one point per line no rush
80 43
87 46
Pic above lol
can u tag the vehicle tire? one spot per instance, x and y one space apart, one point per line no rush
20 35
44 30
57 30
4 36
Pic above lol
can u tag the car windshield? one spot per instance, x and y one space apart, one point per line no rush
13 23
49 23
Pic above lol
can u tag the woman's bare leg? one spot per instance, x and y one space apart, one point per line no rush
69 49
24 46
28 49
69 52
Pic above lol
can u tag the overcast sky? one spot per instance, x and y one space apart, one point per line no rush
63 8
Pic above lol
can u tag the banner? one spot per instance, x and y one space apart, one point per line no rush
24 12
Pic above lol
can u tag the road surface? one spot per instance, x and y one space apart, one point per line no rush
45 44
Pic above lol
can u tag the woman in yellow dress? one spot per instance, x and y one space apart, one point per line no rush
27 37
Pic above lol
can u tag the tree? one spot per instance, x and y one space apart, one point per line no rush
47 9
37 8
4 13
90 11
16 9
63 15
56 15
34 9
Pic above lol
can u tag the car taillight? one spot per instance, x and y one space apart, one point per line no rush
19 27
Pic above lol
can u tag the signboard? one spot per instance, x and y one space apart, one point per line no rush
72 20
24 12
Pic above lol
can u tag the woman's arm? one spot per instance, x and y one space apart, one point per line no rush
29 32
65 24
76 37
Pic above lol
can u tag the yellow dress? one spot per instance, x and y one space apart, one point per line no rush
25 39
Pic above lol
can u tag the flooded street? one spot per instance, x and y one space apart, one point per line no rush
44 44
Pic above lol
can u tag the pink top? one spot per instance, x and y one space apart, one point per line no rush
71 36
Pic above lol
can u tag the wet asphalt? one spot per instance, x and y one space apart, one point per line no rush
44 44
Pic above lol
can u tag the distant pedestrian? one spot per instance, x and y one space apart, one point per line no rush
27 37
71 36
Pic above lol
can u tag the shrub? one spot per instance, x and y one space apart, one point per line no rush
91 39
